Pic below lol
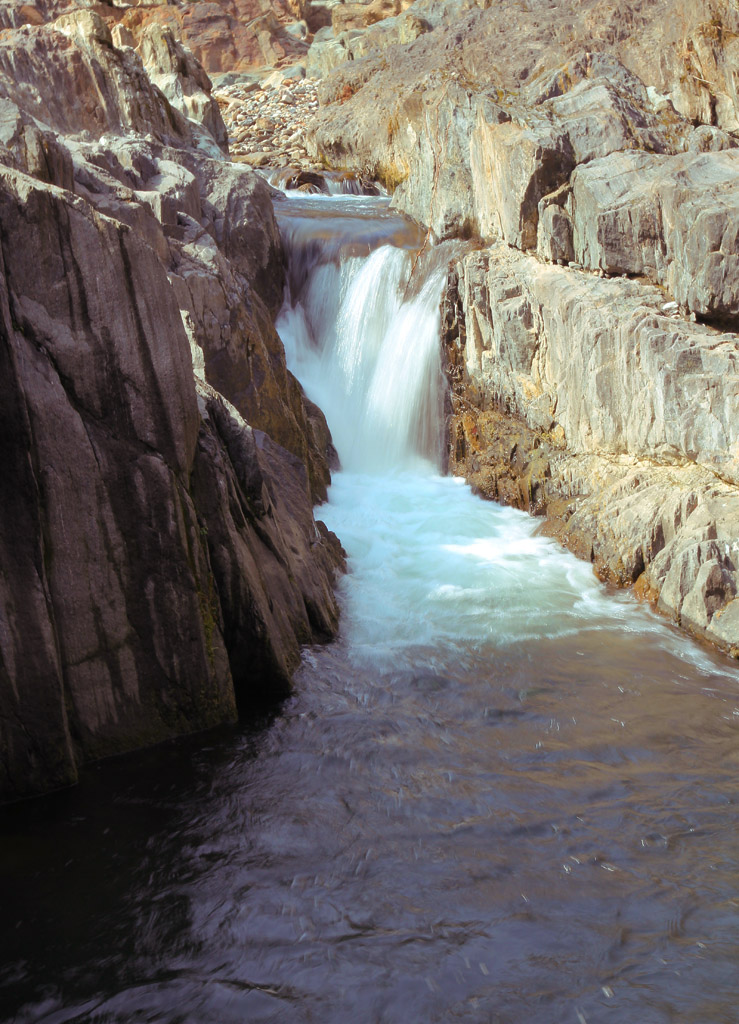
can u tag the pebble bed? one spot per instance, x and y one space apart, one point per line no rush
267 120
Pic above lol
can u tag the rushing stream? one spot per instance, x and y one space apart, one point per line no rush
506 794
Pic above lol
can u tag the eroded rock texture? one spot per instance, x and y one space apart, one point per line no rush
160 560
578 398
223 35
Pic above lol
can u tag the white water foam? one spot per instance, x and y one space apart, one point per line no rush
370 359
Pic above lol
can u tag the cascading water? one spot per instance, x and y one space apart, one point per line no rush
504 795
367 354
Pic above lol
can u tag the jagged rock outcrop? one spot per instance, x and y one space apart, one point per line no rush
160 558
356 32
241 352
182 79
68 75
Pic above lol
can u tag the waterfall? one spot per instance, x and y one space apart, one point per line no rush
504 793
363 336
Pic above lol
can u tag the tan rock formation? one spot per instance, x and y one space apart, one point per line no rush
223 35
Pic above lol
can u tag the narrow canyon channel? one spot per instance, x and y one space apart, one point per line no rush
506 794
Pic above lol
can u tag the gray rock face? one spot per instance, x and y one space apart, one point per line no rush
273 565
332 46
610 389
110 432
597 359
516 45
674 219
238 204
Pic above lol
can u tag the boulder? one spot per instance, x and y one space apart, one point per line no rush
554 229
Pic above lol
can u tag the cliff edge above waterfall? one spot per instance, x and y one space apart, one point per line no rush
160 560
587 152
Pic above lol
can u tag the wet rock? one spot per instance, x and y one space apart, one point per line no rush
110 430
307 180
158 554
265 550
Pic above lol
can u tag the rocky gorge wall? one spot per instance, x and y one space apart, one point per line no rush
586 153
161 562
160 559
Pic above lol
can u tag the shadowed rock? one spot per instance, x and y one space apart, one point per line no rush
158 561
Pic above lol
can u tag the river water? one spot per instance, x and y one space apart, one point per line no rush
507 793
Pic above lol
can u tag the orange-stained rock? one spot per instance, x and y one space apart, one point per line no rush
224 35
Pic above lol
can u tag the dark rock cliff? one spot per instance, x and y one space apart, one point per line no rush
160 560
